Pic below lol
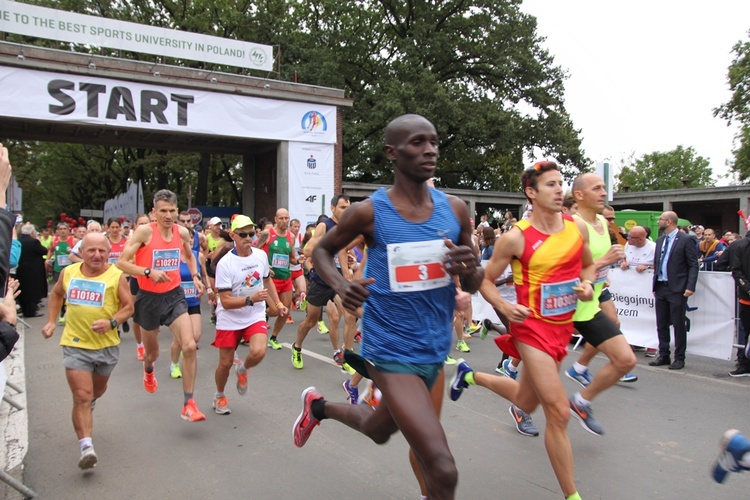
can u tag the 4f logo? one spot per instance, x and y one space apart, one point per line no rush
311 198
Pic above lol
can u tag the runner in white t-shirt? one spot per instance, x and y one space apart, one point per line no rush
244 286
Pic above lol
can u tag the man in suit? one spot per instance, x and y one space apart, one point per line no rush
675 277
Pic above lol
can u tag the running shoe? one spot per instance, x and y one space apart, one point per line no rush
175 372
191 412
347 368
126 327
740 371
220 406
236 360
732 448
483 332
582 378
289 319
88 458
524 424
462 346
61 320
650 352
149 381
213 318
500 368
140 352
474 328
509 373
297 357
358 337
372 397
303 303
338 358
244 341
305 422
449 360
322 328
458 382
274 344
585 416
629 377
352 393
295 304
241 380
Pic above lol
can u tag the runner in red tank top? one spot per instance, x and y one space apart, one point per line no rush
160 300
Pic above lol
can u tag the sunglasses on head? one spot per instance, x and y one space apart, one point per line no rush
245 235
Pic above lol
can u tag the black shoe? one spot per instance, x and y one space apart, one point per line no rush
740 371
677 365
660 361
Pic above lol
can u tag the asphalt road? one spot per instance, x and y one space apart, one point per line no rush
661 434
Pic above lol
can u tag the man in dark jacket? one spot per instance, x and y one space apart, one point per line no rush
31 272
739 263
8 335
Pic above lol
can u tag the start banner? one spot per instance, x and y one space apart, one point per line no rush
310 181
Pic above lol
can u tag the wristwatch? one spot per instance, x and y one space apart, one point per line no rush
248 302
113 323
147 272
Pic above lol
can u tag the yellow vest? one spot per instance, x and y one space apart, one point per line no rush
89 299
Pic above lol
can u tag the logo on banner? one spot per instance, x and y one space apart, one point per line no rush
314 123
311 198
312 162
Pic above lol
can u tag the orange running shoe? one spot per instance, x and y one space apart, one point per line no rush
241 380
289 319
149 381
191 412
140 350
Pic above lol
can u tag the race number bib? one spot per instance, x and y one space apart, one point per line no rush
280 261
63 260
602 275
559 298
417 266
113 257
189 288
166 260
83 292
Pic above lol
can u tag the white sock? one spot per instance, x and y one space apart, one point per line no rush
745 461
85 443
579 400
218 395
140 345
579 368
512 368
241 368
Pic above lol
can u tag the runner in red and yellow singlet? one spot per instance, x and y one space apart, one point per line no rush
552 269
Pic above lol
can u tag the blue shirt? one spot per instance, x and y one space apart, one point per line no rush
409 320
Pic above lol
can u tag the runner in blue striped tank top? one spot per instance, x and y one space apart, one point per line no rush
417 240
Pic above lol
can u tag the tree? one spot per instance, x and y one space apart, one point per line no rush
738 108
666 170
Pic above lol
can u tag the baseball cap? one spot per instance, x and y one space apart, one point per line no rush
241 221
214 221
126 224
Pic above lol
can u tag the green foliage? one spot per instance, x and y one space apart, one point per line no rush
665 170
738 108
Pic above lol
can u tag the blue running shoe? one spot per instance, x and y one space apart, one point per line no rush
732 448
585 416
507 372
582 378
458 382
352 393
629 377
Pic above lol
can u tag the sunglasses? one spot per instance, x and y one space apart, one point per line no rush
610 219
181 221
245 235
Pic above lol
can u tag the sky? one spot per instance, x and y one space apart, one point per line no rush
645 76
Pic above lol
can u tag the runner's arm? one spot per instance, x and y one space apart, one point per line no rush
141 236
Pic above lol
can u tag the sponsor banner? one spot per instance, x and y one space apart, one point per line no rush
52 24
128 204
710 315
310 181
88 100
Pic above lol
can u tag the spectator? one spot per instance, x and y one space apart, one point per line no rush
708 249
31 273
739 262
639 250
8 318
